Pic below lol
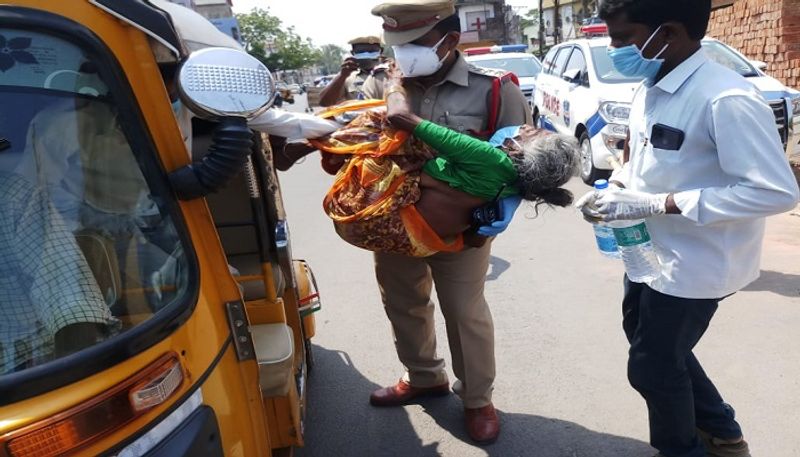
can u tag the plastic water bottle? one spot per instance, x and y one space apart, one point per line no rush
603 233
636 249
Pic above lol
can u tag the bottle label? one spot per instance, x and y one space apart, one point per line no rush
632 236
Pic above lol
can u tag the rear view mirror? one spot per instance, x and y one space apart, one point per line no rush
222 82
759 64
573 76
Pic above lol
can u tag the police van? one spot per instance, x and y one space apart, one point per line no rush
511 58
580 93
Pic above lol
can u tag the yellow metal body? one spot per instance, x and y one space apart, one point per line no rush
249 424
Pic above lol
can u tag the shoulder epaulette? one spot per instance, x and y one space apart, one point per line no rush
489 72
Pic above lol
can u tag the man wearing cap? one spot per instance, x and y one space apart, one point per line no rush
363 63
442 87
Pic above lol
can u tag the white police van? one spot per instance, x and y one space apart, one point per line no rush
580 93
512 58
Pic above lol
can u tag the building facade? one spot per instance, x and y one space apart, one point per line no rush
765 30
488 21
565 26
218 12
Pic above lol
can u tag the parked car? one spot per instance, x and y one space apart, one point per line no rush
511 58
594 27
580 93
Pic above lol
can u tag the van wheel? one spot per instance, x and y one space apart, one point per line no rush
589 174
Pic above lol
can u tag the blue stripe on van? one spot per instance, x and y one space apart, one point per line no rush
595 124
546 124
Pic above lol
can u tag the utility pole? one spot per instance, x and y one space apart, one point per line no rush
541 29
557 22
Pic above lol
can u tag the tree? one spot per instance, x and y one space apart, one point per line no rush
529 19
278 48
330 58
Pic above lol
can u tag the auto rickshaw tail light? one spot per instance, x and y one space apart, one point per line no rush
158 388
66 432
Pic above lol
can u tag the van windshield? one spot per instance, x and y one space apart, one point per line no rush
88 250
522 67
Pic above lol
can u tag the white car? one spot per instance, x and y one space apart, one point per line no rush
580 93
508 58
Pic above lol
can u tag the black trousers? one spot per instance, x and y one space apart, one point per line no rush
662 331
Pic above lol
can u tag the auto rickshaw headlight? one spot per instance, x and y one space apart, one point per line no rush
216 83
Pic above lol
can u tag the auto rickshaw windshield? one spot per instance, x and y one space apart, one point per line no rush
88 250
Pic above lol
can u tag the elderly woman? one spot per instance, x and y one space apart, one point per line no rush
433 191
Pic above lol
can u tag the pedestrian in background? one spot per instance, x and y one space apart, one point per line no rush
443 88
706 167
364 61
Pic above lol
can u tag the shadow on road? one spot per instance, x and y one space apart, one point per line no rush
784 284
341 422
499 266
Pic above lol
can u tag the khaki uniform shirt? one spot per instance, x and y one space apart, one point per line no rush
354 84
461 101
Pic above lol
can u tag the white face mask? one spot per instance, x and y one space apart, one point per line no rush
415 60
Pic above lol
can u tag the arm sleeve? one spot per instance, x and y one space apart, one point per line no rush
514 108
292 126
468 153
752 154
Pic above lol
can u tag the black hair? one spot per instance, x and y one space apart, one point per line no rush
448 24
693 14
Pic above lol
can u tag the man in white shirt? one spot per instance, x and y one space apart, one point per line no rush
706 167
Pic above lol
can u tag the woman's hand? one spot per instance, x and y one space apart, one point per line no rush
398 111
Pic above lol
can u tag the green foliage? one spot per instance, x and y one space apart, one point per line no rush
278 48
331 58
531 18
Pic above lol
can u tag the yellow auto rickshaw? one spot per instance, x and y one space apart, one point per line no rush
149 302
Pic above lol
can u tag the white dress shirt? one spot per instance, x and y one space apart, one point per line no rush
728 175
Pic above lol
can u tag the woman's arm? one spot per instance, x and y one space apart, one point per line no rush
466 152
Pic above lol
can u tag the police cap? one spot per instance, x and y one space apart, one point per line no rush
407 20
366 40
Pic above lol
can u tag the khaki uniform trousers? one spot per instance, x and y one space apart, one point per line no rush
405 284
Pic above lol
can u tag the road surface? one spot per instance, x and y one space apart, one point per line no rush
561 387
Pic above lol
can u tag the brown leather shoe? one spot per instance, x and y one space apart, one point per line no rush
717 447
402 393
483 425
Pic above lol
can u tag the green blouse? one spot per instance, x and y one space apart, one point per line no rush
466 163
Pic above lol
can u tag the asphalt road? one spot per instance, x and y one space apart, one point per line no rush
561 387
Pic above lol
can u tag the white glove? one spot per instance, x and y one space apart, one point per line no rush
625 204
588 203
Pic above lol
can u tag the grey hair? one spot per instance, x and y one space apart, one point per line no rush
547 162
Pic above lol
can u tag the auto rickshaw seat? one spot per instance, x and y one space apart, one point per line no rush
103 261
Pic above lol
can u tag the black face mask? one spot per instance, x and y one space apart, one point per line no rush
367 64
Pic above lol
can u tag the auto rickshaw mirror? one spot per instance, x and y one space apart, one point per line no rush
216 83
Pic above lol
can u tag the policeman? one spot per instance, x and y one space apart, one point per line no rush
443 88
365 61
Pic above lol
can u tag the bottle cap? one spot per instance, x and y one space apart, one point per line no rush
601 184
